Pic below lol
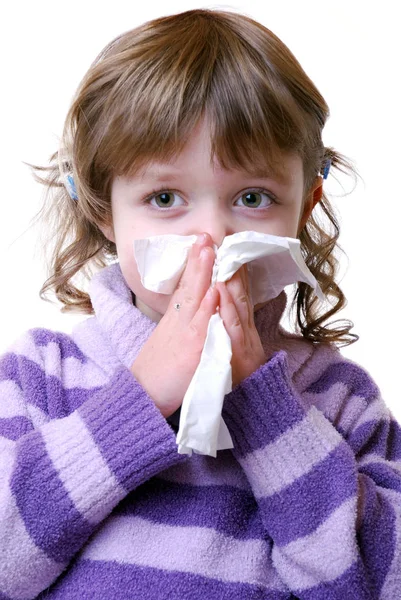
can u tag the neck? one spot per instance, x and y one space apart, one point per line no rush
153 315
156 316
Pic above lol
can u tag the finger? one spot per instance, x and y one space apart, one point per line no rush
199 324
244 273
245 280
241 300
195 280
229 314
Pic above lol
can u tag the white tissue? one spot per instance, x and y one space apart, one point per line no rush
273 263
161 260
202 427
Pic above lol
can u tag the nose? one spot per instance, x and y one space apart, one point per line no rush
215 221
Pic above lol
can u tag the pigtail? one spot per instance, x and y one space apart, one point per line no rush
320 248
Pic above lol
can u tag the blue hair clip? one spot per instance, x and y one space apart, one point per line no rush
66 177
327 168
70 186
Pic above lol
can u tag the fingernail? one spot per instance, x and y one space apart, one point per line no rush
202 238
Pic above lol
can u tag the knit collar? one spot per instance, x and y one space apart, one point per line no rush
127 329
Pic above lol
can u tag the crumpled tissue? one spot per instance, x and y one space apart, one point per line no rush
273 262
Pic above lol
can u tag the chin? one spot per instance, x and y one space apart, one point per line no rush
152 305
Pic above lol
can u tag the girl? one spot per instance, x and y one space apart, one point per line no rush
197 123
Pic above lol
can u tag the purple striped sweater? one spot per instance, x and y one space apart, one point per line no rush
96 502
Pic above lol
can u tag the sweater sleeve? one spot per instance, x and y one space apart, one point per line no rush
329 489
61 477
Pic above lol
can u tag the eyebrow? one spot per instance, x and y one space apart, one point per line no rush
157 176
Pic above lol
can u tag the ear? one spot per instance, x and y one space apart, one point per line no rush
313 197
108 232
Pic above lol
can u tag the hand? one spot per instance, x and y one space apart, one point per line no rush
168 360
236 311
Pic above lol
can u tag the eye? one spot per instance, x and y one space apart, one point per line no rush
164 199
255 199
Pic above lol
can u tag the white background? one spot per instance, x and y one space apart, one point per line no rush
351 50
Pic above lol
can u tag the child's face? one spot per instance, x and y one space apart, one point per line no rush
200 198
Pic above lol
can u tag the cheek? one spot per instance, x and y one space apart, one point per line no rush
280 228
286 223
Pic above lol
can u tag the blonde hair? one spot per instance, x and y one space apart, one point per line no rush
139 102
